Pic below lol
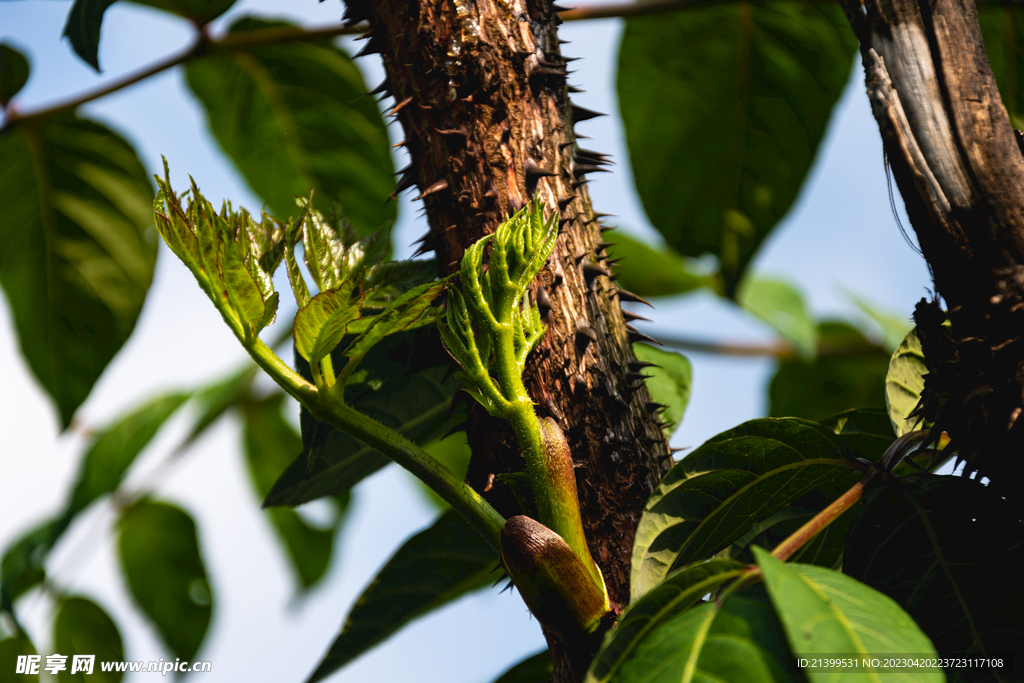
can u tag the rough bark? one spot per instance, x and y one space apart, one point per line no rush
480 90
959 168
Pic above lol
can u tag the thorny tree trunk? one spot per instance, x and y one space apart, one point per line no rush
960 170
480 89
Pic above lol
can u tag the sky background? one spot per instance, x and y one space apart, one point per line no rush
839 238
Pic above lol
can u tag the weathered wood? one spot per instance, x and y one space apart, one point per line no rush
480 87
960 170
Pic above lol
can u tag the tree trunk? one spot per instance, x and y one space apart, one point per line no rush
960 170
480 90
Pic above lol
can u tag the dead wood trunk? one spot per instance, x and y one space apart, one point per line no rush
480 89
960 170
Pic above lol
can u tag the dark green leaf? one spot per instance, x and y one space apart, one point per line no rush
10 649
654 271
868 433
434 567
404 383
14 70
848 373
199 11
828 614
779 304
734 481
22 565
75 256
453 452
534 669
669 383
904 383
271 445
724 107
294 117
83 29
162 566
949 551
1002 28
824 550
83 628
114 450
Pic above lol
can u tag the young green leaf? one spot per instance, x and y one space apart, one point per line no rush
83 628
75 258
828 614
307 124
14 70
948 550
12 648
734 481
724 108
164 571
782 306
434 567
321 323
270 445
536 668
904 383
669 382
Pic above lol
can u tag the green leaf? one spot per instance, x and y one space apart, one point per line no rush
739 639
824 550
779 304
403 382
82 29
217 398
320 324
162 566
949 551
848 373
294 117
14 71
22 565
10 649
536 668
894 328
83 628
434 567
724 107
453 452
904 383
828 614
734 481
116 448
654 271
199 11
1002 28
271 444
669 384
75 256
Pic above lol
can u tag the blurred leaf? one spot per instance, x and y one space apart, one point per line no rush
83 628
779 304
904 383
669 384
534 669
1002 28
653 271
10 649
404 383
75 255
217 398
434 567
271 444
82 29
720 491
14 70
116 448
724 108
22 564
294 117
833 382
828 614
949 551
739 639
162 566
198 11
894 327
453 452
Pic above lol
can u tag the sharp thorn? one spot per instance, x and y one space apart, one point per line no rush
638 336
626 295
565 201
585 335
630 316
591 270
534 172
372 47
400 106
436 187
407 181
636 376
583 114
638 365
573 90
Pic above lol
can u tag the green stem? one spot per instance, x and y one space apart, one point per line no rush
330 409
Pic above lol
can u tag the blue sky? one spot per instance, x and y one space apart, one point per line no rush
840 237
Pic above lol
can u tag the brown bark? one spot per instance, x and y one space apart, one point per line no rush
960 170
480 90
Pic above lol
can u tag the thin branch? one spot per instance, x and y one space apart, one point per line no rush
779 349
